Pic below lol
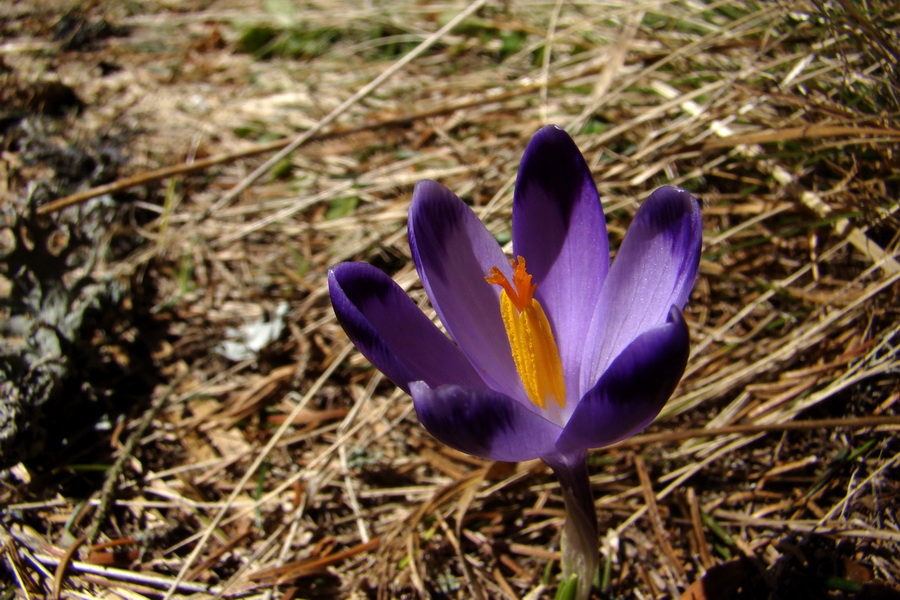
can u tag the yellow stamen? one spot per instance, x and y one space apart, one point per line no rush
533 347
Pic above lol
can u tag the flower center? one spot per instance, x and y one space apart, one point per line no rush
530 337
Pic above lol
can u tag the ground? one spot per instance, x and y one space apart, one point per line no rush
246 147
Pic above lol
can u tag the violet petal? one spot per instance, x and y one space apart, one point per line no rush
483 422
654 269
453 252
391 331
633 390
559 228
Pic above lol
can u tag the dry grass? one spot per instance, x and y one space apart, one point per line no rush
301 472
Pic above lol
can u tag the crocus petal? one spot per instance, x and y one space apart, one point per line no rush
633 390
391 331
484 423
453 252
654 269
558 227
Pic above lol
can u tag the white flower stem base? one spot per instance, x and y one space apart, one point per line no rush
580 539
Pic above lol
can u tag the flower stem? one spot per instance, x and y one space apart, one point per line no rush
580 540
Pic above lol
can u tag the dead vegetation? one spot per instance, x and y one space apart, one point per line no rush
288 467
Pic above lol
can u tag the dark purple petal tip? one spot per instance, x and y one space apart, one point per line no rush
391 331
484 423
436 216
633 390
553 165
555 193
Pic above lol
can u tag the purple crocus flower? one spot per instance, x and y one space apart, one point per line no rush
550 354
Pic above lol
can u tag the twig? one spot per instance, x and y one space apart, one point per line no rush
291 571
109 485
545 62
731 140
846 499
807 526
157 581
9 550
656 520
749 430
686 434
63 563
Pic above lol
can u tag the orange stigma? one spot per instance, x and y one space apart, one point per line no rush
531 339
521 290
